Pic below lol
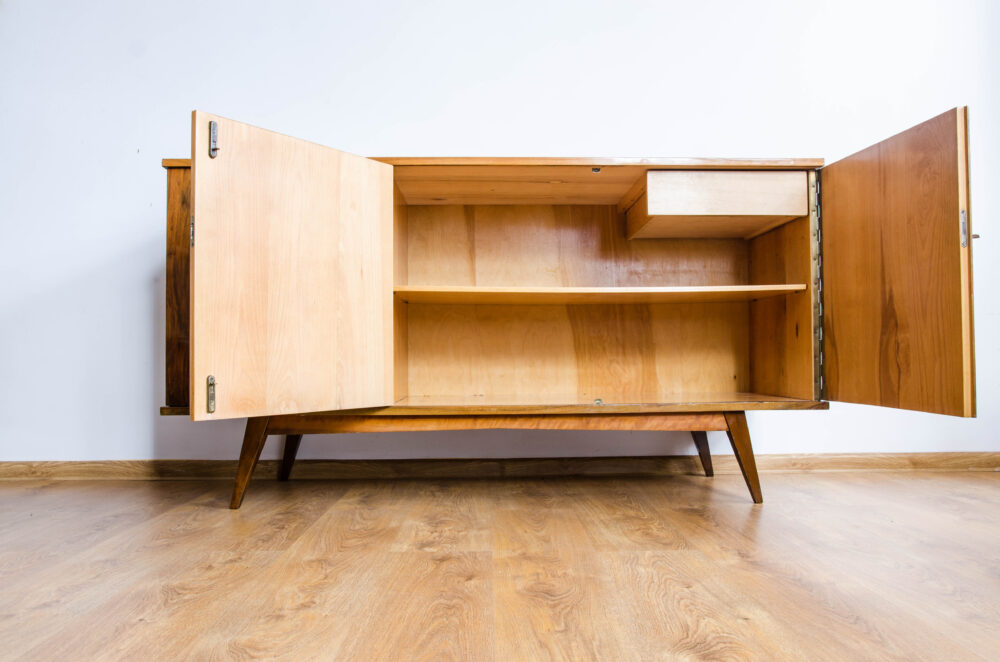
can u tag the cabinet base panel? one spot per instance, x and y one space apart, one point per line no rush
258 429
337 423
497 405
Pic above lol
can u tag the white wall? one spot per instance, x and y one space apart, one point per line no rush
92 95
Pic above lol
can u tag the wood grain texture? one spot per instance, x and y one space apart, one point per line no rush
843 566
489 181
486 352
401 349
333 423
897 285
591 295
563 403
253 443
292 273
965 262
288 453
782 343
704 453
716 204
400 277
561 246
657 163
739 438
178 279
668 163
175 411
471 468
633 353
514 185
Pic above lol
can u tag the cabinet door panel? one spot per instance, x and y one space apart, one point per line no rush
896 275
291 275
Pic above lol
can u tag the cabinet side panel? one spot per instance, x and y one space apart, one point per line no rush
400 240
400 247
401 362
178 285
781 328
387 263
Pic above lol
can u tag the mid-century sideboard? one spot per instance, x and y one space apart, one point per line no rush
314 291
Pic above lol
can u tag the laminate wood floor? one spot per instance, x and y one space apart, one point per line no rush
834 566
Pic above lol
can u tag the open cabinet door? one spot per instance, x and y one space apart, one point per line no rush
897 282
291 275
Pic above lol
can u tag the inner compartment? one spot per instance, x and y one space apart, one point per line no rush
548 303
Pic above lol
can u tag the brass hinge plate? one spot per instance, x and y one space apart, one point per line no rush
210 405
213 139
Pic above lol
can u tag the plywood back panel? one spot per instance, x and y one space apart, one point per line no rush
897 280
637 352
291 278
557 245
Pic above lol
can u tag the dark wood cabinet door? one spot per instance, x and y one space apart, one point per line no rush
897 276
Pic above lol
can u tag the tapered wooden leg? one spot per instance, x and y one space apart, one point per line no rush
292 442
701 443
253 444
739 437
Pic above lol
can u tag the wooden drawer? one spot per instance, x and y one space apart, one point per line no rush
691 203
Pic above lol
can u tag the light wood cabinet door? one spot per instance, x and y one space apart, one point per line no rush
897 276
291 275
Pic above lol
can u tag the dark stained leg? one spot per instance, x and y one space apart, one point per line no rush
701 443
739 437
292 442
253 444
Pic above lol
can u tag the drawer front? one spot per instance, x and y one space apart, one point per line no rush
706 193
687 203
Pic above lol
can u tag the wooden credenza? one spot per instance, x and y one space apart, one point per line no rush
314 291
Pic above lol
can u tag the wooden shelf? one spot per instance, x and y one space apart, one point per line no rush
575 403
590 295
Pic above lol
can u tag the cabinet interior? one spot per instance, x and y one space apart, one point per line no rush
521 287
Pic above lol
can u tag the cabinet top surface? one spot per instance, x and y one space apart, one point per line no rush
665 163
646 163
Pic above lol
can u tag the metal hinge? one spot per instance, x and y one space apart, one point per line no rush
192 229
818 311
210 405
964 220
819 202
213 139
